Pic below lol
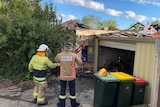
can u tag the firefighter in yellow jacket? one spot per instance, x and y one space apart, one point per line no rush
38 68
67 61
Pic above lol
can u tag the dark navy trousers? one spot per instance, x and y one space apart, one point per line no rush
63 85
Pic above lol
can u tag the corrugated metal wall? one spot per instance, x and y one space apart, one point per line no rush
144 65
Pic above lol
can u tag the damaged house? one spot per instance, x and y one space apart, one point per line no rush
133 52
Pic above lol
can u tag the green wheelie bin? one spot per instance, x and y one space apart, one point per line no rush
124 91
138 91
105 90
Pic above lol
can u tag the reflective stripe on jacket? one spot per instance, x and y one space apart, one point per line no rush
39 79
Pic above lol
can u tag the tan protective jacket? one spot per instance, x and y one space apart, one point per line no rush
67 62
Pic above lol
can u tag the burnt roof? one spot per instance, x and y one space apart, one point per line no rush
126 34
74 24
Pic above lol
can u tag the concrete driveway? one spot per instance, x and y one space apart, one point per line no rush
21 95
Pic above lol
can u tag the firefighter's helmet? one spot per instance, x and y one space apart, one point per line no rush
43 47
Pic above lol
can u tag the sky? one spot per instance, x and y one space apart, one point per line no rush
124 12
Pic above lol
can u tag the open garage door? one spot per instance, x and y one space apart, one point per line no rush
117 56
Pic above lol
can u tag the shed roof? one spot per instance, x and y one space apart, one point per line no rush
127 34
132 36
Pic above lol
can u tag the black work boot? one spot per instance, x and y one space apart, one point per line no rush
61 103
77 104
74 103
44 103
34 100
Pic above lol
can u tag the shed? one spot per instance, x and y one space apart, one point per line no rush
139 54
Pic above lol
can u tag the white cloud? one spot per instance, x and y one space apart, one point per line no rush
153 19
132 15
95 5
67 17
84 3
90 4
113 12
152 2
60 1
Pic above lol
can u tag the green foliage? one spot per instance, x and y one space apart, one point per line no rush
22 30
156 22
92 21
111 24
96 22
136 27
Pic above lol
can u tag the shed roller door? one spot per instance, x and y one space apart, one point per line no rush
118 45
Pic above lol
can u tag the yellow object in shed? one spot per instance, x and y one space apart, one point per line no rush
103 72
122 76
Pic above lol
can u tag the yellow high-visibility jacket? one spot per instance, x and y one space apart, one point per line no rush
40 63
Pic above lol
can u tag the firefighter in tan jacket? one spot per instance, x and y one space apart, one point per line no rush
38 68
67 61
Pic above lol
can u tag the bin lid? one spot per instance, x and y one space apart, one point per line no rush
140 81
122 76
108 78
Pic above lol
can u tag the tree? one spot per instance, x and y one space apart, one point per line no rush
136 27
156 22
111 24
96 22
22 30
92 21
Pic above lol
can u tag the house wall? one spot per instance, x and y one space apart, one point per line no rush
157 56
155 95
87 66
86 32
144 65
